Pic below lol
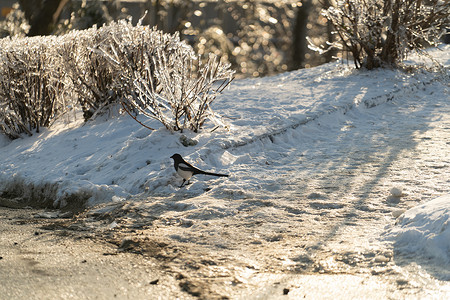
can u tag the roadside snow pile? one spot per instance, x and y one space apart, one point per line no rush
425 230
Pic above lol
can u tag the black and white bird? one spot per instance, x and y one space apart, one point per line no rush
186 170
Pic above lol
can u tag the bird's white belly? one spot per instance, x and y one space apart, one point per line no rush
185 174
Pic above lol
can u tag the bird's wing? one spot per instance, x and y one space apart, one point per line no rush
185 166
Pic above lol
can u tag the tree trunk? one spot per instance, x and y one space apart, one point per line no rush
42 15
300 45
389 54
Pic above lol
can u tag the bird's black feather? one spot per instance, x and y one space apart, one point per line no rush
186 170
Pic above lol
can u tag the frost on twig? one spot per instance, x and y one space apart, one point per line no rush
163 77
377 32
32 85
90 74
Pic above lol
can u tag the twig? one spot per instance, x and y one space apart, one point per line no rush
123 105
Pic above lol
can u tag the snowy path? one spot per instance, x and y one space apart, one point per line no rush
313 200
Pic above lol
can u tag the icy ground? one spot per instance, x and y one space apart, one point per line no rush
323 163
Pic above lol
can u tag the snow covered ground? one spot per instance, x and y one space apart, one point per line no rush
424 230
313 156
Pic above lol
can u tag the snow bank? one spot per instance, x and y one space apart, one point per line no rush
425 230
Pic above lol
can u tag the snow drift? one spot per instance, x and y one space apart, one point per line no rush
425 231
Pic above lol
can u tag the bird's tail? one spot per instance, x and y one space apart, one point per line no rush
215 174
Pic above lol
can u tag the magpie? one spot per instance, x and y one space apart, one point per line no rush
186 170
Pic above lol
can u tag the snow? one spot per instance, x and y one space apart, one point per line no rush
308 152
396 191
425 230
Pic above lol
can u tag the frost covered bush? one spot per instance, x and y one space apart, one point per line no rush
10 124
385 31
141 68
180 97
90 74
31 85
162 78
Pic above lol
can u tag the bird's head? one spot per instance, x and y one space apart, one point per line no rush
176 156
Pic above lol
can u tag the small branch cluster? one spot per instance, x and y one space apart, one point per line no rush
385 31
142 69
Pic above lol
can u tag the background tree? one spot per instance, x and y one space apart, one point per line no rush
300 32
42 15
384 32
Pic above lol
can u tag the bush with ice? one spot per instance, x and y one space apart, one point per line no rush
140 68
32 85
162 78
377 32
